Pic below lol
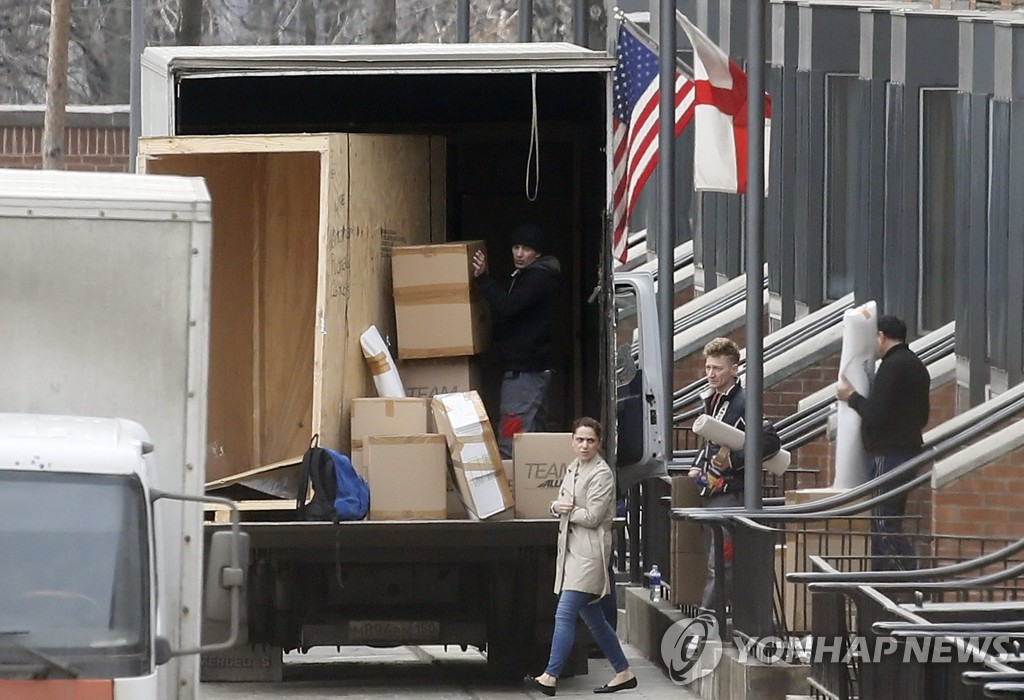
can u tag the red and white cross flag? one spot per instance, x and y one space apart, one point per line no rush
720 117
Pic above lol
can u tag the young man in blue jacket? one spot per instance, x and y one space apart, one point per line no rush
522 317
719 473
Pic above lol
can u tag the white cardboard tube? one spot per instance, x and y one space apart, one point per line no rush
381 365
718 432
857 364
727 436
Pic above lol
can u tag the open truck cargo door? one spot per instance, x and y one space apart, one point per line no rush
641 431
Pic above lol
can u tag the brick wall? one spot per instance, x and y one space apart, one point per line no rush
95 138
985 503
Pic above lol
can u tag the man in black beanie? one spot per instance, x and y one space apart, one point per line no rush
522 316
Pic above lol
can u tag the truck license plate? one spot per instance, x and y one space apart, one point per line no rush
407 631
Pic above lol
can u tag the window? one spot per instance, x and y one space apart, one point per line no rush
840 242
937 221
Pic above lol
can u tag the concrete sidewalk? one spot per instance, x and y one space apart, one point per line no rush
653 682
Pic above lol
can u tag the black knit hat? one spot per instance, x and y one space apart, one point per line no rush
529 235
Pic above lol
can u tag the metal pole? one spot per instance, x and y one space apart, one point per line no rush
525 21
138 42
666 203
755 257
462 21
579 22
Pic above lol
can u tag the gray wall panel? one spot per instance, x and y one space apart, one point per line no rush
1014 184
996 203
894 270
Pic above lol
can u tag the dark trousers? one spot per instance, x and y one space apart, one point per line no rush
720 500
523 407
890 547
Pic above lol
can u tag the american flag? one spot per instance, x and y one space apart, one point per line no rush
635 97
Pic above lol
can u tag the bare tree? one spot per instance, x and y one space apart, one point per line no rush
190 22
56 84
99 55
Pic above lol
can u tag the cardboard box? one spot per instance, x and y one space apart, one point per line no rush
689 560
438 310
476 464
443 375
540 462
688 574
385 417
407 476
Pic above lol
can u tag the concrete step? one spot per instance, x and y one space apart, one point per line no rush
646 624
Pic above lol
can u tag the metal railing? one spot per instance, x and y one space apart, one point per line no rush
882 627
758 609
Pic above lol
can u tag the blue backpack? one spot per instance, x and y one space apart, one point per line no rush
339 493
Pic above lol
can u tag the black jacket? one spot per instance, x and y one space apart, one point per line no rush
522 314
896 412
730 408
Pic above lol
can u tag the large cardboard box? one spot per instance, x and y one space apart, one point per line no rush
443 375
477 468
407 476
540 461
438 310
303 226
688 567
375 416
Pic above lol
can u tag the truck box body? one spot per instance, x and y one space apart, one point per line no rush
446 581
103 302
477 100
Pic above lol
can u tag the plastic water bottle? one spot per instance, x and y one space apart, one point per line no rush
655 580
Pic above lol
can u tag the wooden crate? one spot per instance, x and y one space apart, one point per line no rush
303 227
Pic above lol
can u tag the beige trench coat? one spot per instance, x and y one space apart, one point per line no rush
585 534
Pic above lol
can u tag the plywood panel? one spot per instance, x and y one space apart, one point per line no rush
303 229
438 189
289 185
383 201
231 401
331 352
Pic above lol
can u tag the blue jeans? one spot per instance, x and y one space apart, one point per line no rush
524 406
570 605
890 548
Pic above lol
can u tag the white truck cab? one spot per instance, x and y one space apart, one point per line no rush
79 542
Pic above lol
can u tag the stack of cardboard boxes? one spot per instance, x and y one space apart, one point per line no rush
401 446
398 445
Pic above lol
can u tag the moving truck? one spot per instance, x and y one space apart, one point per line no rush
104 304
320 160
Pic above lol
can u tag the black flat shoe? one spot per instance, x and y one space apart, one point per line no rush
624 685
549 690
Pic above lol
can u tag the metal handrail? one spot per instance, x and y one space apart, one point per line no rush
876 578
832 506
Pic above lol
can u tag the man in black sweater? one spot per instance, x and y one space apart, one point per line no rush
522 316
892 419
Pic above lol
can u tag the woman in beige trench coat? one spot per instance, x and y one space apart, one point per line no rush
585 507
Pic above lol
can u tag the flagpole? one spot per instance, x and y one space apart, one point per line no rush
644 38
755 256
666 204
